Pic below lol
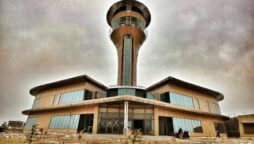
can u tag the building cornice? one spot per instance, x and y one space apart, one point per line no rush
66 82
155 103
128 4
187 85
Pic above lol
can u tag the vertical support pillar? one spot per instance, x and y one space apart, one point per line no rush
95 119
125 126
156 121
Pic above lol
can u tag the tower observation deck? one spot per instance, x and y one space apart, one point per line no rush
128 20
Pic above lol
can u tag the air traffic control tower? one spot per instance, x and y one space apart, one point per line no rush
128 20
81 103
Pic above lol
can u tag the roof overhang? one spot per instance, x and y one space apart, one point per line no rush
155 103
247 122
177 82
129 3
66 82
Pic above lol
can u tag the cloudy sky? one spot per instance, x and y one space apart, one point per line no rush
208 43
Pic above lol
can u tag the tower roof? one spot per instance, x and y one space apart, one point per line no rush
129 5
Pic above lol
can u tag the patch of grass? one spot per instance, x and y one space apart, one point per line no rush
12 141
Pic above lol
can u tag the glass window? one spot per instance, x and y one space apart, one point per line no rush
216 108
55 100
182 100
130 92
187 125
74 121
134 21
219 127
30 122
208 106
112 92
140 93
71 97
127 59
165 97
88 95
248 128
101 94
151 96
64 122
122 92
176 124
128 21
36 103
177 99
126 91
196 103
122 20
149 126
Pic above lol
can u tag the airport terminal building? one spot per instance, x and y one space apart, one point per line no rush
84 104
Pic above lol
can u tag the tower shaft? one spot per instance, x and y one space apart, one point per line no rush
128 41
128 20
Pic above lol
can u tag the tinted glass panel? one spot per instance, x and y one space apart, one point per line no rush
128 21
126 91
220 127
187 125
208 106
165 97
36 103
71 97
64 122
30 122
151 96
182 100
74 121
196 103
216 108
55 100
101 94
88 95
130 91
122 92
127 59
140 93
248 128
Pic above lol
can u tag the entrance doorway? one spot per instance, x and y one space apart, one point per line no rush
166 126
86 123
138 124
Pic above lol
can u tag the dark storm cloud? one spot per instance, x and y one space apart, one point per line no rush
209 43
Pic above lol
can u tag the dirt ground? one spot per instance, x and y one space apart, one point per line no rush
83 141
117 139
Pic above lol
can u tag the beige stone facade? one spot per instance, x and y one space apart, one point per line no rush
246 125
170 107
142 110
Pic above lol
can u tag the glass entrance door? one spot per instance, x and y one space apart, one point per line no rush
86 123
138 124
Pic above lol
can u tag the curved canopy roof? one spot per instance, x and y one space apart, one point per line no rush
129 98
66 82
177 82
168 80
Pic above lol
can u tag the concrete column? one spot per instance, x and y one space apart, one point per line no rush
125 126
95 119
156 121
